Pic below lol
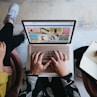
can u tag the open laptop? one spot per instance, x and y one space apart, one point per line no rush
49 35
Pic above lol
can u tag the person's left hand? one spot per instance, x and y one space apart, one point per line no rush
36 63
59 64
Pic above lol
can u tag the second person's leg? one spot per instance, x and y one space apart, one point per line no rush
6 32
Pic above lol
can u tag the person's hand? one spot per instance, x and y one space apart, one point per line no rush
36 63
2 51
59 64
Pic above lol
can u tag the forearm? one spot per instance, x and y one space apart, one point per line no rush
69 87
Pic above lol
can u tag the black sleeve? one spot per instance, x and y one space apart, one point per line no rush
69 86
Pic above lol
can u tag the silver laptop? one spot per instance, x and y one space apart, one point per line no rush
49 35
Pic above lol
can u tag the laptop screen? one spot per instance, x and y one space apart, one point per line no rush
49 31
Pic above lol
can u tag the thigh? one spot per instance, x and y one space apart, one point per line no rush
57 87
7 55
6 32
41 85
12 43
17 40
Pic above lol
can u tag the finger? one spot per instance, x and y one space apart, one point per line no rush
60 54
7 67
32 60
37 56
57 55
41 57
10 69
53 60
65 57
1 44
33 56
4 45
47 64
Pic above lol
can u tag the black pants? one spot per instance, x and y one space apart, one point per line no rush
56 86
6 35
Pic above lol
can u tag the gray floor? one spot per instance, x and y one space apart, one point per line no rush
36 9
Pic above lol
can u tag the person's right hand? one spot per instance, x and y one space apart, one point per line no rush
2 51
36 63
59 64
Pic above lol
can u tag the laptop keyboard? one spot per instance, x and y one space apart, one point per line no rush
48 50
50 54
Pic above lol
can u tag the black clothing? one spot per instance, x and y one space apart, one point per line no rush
6 35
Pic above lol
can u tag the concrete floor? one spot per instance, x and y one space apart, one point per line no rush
36 9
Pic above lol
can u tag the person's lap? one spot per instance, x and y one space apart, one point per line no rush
41 85
55 85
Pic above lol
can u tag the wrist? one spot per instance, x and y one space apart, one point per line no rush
63 74
68 76
34 73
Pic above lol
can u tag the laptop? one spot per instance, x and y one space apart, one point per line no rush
49 35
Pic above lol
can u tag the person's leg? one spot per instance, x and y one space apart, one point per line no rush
6 35
17 40
57 87
12 13
6 32
41 85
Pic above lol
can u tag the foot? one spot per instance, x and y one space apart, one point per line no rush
8 70
12 12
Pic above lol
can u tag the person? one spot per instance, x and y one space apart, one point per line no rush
6 35
61 86
3 75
